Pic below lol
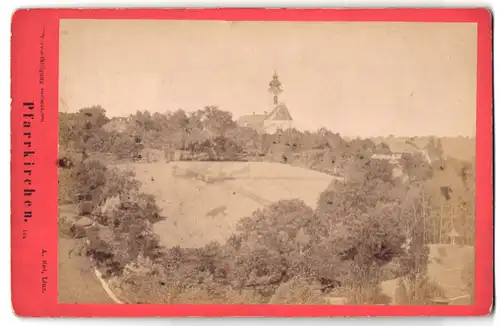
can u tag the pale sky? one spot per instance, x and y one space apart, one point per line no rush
358 79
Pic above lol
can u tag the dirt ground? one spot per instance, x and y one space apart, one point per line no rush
446 263
77 282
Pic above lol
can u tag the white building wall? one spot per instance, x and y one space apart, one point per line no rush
271 126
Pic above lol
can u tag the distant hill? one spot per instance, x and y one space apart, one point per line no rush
462 148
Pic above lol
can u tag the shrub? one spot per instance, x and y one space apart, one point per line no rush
275 240
297 291
469 278
367 295
119 182
126 216
417 290
123 145
66 182
66 187
130 221
92 179
217 149
394 269
64 226
103 256
120 210
89 178
130 238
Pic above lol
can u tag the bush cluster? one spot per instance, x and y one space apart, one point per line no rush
125 215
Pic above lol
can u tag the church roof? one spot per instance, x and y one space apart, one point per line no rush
279 112
252 120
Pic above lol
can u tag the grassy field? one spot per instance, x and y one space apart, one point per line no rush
203 201
446 264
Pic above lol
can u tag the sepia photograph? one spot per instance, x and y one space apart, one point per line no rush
266 162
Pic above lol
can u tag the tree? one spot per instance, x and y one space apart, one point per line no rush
130 236
95 115
370 242
89 177
143 120
422 292
218 149
360 225
85 129
216 121
247 138
273 246
416 167
66 124
294 140
124 146
383 148
297 291
177 129
435 148
368 183
415 213
362 147
452 200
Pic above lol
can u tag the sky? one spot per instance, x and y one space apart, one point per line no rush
356 78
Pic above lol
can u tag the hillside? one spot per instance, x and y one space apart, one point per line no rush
446 265
203 201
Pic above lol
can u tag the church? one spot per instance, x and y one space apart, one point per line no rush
277 118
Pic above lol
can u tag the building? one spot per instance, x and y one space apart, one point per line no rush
117 124
278 118
393 157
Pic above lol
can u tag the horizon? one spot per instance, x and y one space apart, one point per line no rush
310 130
429 68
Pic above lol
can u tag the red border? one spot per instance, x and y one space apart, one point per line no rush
27 26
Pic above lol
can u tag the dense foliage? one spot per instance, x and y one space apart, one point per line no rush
374 225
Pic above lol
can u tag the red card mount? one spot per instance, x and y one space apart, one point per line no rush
35 106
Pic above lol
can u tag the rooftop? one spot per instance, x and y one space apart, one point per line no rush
278 112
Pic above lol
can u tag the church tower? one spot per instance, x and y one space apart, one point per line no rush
275 118
279 117
275 88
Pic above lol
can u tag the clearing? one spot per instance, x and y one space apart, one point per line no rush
203 201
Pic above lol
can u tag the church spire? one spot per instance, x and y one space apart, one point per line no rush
275 88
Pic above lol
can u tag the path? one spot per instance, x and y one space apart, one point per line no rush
77 282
